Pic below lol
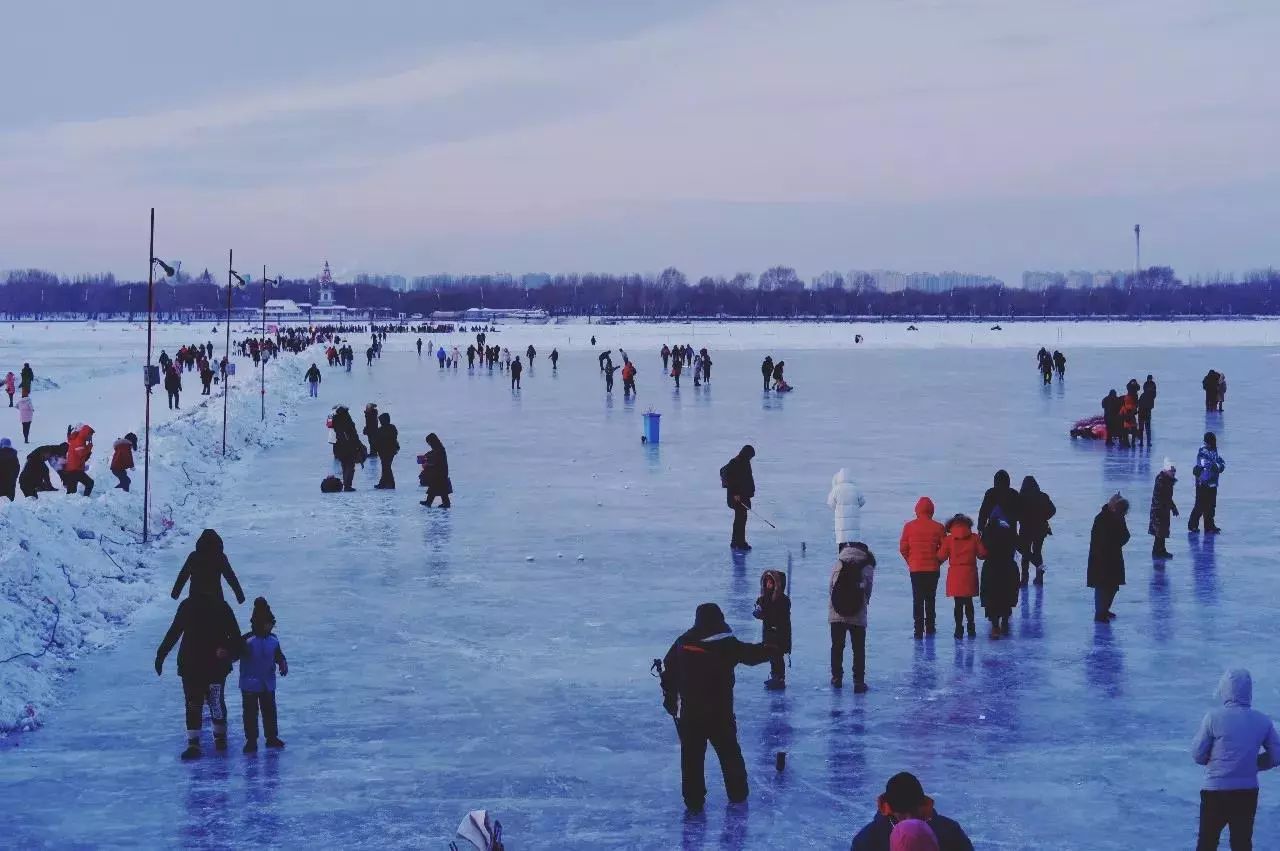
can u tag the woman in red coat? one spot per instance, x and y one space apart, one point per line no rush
963 549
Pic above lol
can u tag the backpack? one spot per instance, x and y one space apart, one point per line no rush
846 594
725 472
330 484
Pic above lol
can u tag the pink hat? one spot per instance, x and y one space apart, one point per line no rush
912 835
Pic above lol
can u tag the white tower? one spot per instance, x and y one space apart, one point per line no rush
326 287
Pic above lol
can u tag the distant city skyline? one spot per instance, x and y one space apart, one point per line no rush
989 136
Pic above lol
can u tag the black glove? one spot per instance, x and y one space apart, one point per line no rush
159 665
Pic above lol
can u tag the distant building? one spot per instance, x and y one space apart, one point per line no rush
941 282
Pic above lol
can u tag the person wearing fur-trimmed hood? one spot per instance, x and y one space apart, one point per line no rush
773 609
1163 509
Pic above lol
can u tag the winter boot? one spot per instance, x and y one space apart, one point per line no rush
959 630
859 687
275 743
1026 573
995 630
929 628
973 630
1005 627
837 681
1039 580
193 746
919 628
250 746
775 684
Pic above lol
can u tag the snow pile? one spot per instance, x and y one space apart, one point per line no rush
72 570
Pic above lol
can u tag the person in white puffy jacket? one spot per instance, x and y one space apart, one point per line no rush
847 501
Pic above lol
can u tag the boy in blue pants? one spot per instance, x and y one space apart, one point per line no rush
258 662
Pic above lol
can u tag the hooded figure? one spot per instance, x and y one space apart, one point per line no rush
999 587
773 609
919 544
206 567
1163 509
1001 493
1228 744
386 443
903 803
347 447
9 468
697 691
79 449
371 427
1037 509
1106 556
35 472
210 643
846 501
963 549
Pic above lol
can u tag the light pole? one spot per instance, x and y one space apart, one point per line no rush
226 360
152 262
1137 249
262 384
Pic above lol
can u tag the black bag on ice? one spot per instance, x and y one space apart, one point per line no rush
330 484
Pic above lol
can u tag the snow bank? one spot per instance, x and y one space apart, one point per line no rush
73 570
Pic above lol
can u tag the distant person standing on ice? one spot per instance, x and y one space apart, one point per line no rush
1163 509
919 544
766 370
1222 390
313 378
846 501
963 549
849 594
371 427
347 447
999 581
441 356
697 691
531 353
9 469
666 356
773 610
1001 494
706 366
1106 556
28 377
206 566
210 643
26 412
1060 364
1146 404
206 378
435 473
419 347
1208 469
10 386
122 459
1210 385
609 370
628 379
260 656
387 444
1228 744
516 369
739 483
555 358
676 366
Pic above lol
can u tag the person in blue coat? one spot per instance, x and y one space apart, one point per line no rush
441 356
259 658
1208 469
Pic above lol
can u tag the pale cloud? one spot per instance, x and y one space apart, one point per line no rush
463 159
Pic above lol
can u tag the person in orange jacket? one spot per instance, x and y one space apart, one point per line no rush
122 459
79 448
1129 419
919 545
963 549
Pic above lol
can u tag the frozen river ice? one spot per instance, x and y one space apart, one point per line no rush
441 662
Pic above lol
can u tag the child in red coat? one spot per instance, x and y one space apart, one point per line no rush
963 549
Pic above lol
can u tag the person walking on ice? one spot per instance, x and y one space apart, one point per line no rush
313 379
516 369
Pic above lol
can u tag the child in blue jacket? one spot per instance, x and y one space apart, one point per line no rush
258 662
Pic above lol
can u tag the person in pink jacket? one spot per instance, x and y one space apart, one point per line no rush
26 411
10 386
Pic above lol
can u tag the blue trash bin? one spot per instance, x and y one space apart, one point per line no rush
652 427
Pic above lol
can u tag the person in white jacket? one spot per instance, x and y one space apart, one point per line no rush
847 501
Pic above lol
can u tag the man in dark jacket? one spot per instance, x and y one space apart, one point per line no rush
766 370
904 798
388 439
206 567
1003 495
1146 404
697 691
1106 556
740 486
35 472
1111 414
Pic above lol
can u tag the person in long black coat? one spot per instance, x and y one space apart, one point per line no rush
388 444
1111 414
348 447
1106 556
1001 494
9 469
740 487
435 473
35 472
999 590
371 427
210 643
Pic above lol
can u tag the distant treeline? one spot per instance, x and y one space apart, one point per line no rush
1154 292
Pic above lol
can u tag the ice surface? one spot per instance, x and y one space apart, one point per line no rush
433 670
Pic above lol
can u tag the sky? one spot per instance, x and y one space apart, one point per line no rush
419 137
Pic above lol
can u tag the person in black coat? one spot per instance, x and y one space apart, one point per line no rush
1001 494
903 799
173 387
1037 509
347 448
766 370
210 643
35 472
9 469
435 473
371 427
206 567
1146 404
388 444
1210 385
740 487
999 588
697 691
1111 415
1106 556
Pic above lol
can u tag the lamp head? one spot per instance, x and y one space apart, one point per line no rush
168 270
240 282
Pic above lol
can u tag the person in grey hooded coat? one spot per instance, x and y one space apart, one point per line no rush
1228 744
858 559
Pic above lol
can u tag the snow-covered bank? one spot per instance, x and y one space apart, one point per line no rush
72 570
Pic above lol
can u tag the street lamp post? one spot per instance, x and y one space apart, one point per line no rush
152 262
262 384
226 372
